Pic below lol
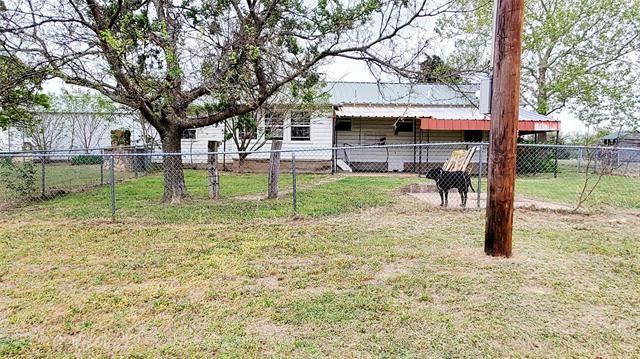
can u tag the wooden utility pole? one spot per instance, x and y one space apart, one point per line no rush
507 50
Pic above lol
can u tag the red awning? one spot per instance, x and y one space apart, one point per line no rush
430 123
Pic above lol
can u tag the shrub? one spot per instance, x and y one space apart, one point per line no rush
120 137
535 160
85 160
19 178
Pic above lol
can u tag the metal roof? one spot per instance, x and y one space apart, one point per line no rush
442 112
401 94
614 135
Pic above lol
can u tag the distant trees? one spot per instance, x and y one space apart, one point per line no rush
88 117
577 54
48 131
74 119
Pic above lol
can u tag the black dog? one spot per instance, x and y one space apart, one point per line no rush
446 180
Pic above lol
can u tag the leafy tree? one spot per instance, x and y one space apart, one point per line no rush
19 90
162 56
577 54
47 131
434 70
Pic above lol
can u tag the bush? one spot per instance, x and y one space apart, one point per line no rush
535 160
19 178
120 137
85 160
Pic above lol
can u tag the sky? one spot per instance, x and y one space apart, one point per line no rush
342 69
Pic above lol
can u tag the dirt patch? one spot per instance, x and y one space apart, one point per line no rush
433 198
270 282
268 330
419 188
283 192
538 290
394 269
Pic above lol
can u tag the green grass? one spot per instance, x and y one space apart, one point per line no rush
62 176
363 272
318 195
611 191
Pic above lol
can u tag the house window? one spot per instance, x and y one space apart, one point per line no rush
472 136
300 126
189 134
404 125
273 125
343 124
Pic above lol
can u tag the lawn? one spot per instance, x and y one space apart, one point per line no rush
610 191
363 271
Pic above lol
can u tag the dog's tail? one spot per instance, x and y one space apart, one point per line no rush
471 185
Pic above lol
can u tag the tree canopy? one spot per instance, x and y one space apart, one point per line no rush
20 87
577 54
435 70
228 56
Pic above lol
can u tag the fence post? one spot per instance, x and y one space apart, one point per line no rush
112 169
42 179
579 158
213 174
102 171
134 164
274 169
294 183
334 161
479 189
555 164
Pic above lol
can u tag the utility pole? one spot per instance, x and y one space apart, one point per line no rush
507 50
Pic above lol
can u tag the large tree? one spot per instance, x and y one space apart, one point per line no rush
577 54
229 57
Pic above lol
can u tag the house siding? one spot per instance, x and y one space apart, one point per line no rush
369 131
320 137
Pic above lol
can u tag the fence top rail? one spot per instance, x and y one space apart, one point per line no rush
54 153
69 150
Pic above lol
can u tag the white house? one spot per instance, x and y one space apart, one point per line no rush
356 114
367 113
72 131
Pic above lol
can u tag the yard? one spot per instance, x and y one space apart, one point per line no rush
363 271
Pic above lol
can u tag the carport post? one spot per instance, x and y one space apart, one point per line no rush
555 165
507 52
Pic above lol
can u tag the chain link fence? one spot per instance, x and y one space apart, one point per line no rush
450 175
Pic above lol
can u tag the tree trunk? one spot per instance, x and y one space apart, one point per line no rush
175 189
241 162
274 169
